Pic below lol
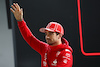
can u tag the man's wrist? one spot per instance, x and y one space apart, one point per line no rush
20 20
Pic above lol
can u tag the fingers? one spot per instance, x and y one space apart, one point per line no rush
15 7
18 7
14 4
12 10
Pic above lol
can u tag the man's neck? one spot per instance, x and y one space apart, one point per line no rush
56 43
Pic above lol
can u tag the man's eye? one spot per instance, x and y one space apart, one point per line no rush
50 32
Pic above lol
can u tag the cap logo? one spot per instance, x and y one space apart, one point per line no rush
51 26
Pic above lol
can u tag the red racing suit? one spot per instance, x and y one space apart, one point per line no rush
51 56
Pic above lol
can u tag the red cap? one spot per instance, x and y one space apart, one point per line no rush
53 27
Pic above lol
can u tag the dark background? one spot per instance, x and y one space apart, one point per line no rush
37 14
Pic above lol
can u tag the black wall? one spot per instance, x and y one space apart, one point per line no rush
37 14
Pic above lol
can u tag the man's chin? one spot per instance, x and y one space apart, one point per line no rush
49 43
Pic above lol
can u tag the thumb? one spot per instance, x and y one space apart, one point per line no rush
22 10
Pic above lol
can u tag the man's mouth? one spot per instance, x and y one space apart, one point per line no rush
48 40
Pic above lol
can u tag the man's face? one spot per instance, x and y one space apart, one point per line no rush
51 37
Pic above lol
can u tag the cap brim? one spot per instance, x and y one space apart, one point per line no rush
43 30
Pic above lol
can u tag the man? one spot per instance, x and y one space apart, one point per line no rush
56 52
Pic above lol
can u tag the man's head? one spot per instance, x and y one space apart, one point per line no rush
54 31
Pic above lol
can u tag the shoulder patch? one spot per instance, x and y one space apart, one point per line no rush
67 50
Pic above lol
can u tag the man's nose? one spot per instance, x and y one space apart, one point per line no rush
47 36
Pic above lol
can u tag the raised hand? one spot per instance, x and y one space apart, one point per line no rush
17 11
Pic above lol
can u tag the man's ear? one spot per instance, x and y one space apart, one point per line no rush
59 35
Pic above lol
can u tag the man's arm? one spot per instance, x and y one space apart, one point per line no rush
36 44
